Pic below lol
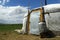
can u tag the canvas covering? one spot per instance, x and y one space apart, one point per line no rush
52 20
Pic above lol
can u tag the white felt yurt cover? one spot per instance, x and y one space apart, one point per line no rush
52 20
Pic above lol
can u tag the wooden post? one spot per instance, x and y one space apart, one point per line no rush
28 23
43 23
42 18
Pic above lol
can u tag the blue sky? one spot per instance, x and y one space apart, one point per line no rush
13 11
33 3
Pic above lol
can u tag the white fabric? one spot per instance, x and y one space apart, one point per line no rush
34 20
52 8
24 24
52 21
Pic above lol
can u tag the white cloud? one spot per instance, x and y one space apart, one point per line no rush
14 14
3 2
0 1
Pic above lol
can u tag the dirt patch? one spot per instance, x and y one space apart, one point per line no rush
15 36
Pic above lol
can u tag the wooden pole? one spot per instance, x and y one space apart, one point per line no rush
42 18
28 23
28 20
45 2
42 22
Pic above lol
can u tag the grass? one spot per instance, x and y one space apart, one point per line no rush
10 27
7 33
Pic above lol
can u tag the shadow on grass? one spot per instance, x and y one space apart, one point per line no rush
48 34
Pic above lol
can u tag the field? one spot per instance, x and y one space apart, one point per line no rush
10 27
7 33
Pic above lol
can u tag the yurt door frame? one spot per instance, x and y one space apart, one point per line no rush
41 18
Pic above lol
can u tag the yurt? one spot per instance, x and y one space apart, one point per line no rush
36 26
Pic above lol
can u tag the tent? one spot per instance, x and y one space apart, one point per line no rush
52 20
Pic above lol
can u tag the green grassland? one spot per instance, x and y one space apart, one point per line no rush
10 27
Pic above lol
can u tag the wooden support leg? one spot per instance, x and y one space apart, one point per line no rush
28 23
42 19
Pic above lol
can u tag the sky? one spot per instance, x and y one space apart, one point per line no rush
13 11
32 3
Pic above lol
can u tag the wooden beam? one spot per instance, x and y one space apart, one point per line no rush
42 18
38 9
28 23
34 10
